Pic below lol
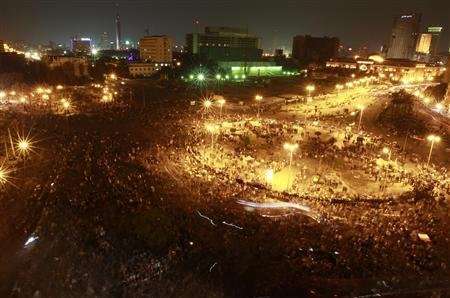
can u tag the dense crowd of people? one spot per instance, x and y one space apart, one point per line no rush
130 200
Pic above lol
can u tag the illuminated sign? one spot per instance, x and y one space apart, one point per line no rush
434 29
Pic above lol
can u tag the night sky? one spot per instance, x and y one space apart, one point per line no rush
355 22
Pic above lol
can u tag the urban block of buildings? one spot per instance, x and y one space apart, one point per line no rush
395 68
157 48
235 50
81 46
79 65
309 49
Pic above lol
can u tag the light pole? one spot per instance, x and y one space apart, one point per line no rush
290 148
387 152
211 128
310 89
206 105
433 139
258 99
361 109
221 103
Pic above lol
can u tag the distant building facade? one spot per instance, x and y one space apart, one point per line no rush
145 69
78 64
156 48
395 68
427 48
224 44
306 48
424 43
81 46
404 36
104 41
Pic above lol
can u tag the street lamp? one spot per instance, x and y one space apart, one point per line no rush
339 87
200 77
258 99
310 89
207 103
291 149
361 109
387 152
66 105
4 175
221 103
439 107
212 129
24 146
433 139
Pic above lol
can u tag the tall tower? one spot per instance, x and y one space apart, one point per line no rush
118 33
405 33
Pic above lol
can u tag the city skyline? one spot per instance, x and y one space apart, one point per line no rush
35 21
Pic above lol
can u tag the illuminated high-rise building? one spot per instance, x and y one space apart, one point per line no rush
157 48
424 43
104 41
81 46
427 49
435 32
405 33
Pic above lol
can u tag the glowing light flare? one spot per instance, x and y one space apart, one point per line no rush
290 147
23 145
207 103
434 138
258 97
439 107
66 104
4 175
201 77
310 88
